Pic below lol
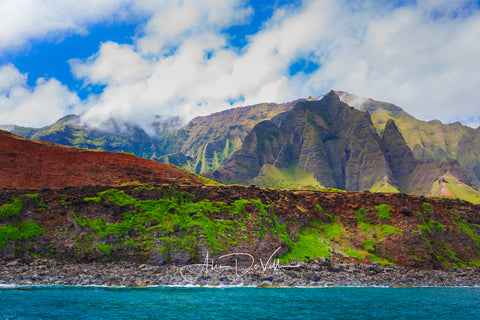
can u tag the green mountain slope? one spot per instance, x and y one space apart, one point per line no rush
335 142
431 140
330 144
203 145
68 131
206 143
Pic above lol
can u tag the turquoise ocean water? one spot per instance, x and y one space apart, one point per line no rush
238 303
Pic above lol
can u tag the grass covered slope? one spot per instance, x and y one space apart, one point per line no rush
289 178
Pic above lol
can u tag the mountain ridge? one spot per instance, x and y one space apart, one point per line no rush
341 146
206 144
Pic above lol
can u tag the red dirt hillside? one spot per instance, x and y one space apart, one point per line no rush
33 164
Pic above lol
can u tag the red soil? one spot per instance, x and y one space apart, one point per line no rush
33 164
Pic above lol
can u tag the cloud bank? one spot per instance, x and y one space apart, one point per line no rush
35 107
422 56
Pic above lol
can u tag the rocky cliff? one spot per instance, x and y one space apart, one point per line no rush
340 148
182 225
429 141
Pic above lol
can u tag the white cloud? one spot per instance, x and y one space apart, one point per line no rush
43 104
22 21
422 63
113 65
188 82
10 77
423 56
174 21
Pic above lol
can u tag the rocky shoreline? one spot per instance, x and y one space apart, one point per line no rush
320 272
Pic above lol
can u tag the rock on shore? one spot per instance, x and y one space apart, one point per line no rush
319 272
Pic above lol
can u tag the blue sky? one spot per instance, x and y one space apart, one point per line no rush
135 60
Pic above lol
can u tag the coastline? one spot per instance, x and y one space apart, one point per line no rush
317 273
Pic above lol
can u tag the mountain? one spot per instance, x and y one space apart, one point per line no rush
429 141
336 146
120 137
33 164
203 145
206 143
350 144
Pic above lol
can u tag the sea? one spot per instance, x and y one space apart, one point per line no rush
59 302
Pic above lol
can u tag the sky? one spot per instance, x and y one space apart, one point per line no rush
145 61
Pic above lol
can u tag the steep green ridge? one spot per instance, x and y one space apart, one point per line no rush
398 154
384 185
328 143
69 131
206 143
429 141
302 144
288 178
449 186
336 143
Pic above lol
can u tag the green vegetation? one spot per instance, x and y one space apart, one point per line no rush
309 246
470 229
375 234
329 216
429 231
289 178
204 179
14 208
324 239
105 248
314 241
384 187
357 254
464 192
19 231
432 140
179 222
117 197
383 212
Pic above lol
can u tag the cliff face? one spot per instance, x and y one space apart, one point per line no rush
33 164
397 153
182 225
203 145
328 143
207 143
429 141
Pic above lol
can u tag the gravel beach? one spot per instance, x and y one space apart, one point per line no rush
319 272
